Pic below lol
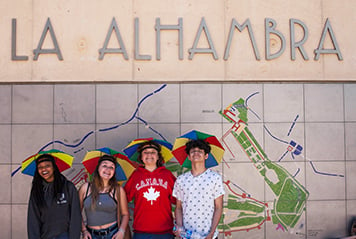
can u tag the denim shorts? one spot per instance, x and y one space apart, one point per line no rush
152 236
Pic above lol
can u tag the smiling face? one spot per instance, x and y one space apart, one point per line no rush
106 170
149 157
197 155
46 171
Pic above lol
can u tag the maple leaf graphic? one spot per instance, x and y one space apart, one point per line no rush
151 195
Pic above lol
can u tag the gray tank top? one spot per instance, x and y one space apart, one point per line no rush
105 211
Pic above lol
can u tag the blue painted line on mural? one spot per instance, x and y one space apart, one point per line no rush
105 129
78 150
298 148
68 145
280 159
246 105
322 173
242 190
293 124
269 132
296 173
292 155
152 129
250 96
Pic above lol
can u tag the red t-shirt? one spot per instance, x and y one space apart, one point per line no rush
152 194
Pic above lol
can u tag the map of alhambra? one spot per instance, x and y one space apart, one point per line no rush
242 212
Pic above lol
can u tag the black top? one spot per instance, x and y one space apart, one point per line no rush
60 214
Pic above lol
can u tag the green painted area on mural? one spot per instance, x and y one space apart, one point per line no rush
259 148
240 106
243 222
222 226
290 195
248 206
225 117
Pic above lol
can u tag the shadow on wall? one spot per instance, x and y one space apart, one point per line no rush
351 228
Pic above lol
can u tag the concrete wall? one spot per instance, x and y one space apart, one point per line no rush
318 117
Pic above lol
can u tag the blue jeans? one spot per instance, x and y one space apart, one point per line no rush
152 236
107 236
62 236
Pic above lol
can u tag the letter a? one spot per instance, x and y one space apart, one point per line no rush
55 50
211 48
321 50
105 49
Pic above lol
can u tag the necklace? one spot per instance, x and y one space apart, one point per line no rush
106 189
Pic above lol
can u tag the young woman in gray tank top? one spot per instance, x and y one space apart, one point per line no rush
104 203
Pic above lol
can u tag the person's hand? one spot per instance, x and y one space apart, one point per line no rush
178 231
119 235
209 236
86 235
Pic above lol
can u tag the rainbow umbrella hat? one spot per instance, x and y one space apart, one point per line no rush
131 149
62 160
124 167
215 156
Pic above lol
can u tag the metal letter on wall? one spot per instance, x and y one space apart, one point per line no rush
321 50
14 57
137 47
270 26
194 49
105 49
160 27
55 50
246 24
299 44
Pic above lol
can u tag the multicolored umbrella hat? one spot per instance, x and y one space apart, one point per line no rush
124 167
215 156
62 160
131 149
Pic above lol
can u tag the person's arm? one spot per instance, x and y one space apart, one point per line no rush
178 213
82 191
33 220
171 197
122 213
129 187
218 208
75 212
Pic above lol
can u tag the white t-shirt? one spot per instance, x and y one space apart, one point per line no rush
197 195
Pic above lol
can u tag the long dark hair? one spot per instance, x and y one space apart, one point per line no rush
97 182
150 145
37 191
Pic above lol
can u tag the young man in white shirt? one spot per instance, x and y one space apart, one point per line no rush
199 195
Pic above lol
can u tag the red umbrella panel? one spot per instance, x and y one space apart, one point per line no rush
124 167
215 156
63 161
131 149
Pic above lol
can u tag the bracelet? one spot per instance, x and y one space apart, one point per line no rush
85 230
122 230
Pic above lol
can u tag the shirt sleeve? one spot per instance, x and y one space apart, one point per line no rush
172 198
177 191
33 220
128 187
76 216
219 187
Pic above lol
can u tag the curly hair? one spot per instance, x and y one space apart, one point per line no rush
197 143
150 145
